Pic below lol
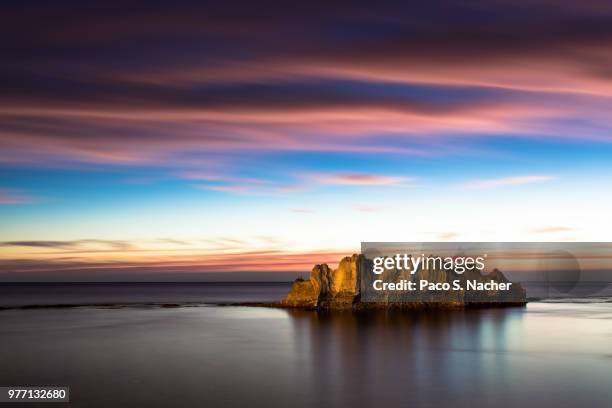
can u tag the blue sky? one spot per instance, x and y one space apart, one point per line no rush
190 138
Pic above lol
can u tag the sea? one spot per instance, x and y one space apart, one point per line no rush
184 345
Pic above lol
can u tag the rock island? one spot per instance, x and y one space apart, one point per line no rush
341 289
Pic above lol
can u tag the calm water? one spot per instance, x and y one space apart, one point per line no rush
57 294
547 354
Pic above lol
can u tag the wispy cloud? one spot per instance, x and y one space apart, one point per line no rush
236 189
506 181
256 189
367 208
80 244
552 230
216 254
173 241
358 179
445 236
219 177
302 210
219 94
11 197
301 182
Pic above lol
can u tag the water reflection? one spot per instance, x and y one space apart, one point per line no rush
547 354
458 357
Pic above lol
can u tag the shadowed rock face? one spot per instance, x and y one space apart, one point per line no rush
340 289
327 288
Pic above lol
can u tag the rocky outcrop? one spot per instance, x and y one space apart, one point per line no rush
339 289
327 288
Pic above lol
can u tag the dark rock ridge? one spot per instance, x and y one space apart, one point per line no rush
339 289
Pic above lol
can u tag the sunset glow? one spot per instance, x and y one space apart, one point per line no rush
227 147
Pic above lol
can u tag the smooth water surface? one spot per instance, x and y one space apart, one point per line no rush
547 354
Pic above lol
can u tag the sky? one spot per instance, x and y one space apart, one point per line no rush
181 138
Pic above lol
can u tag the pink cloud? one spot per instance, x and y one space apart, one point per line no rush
274 95
37 134
544 72
358 179
10 197
506 181
304 182
218 255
